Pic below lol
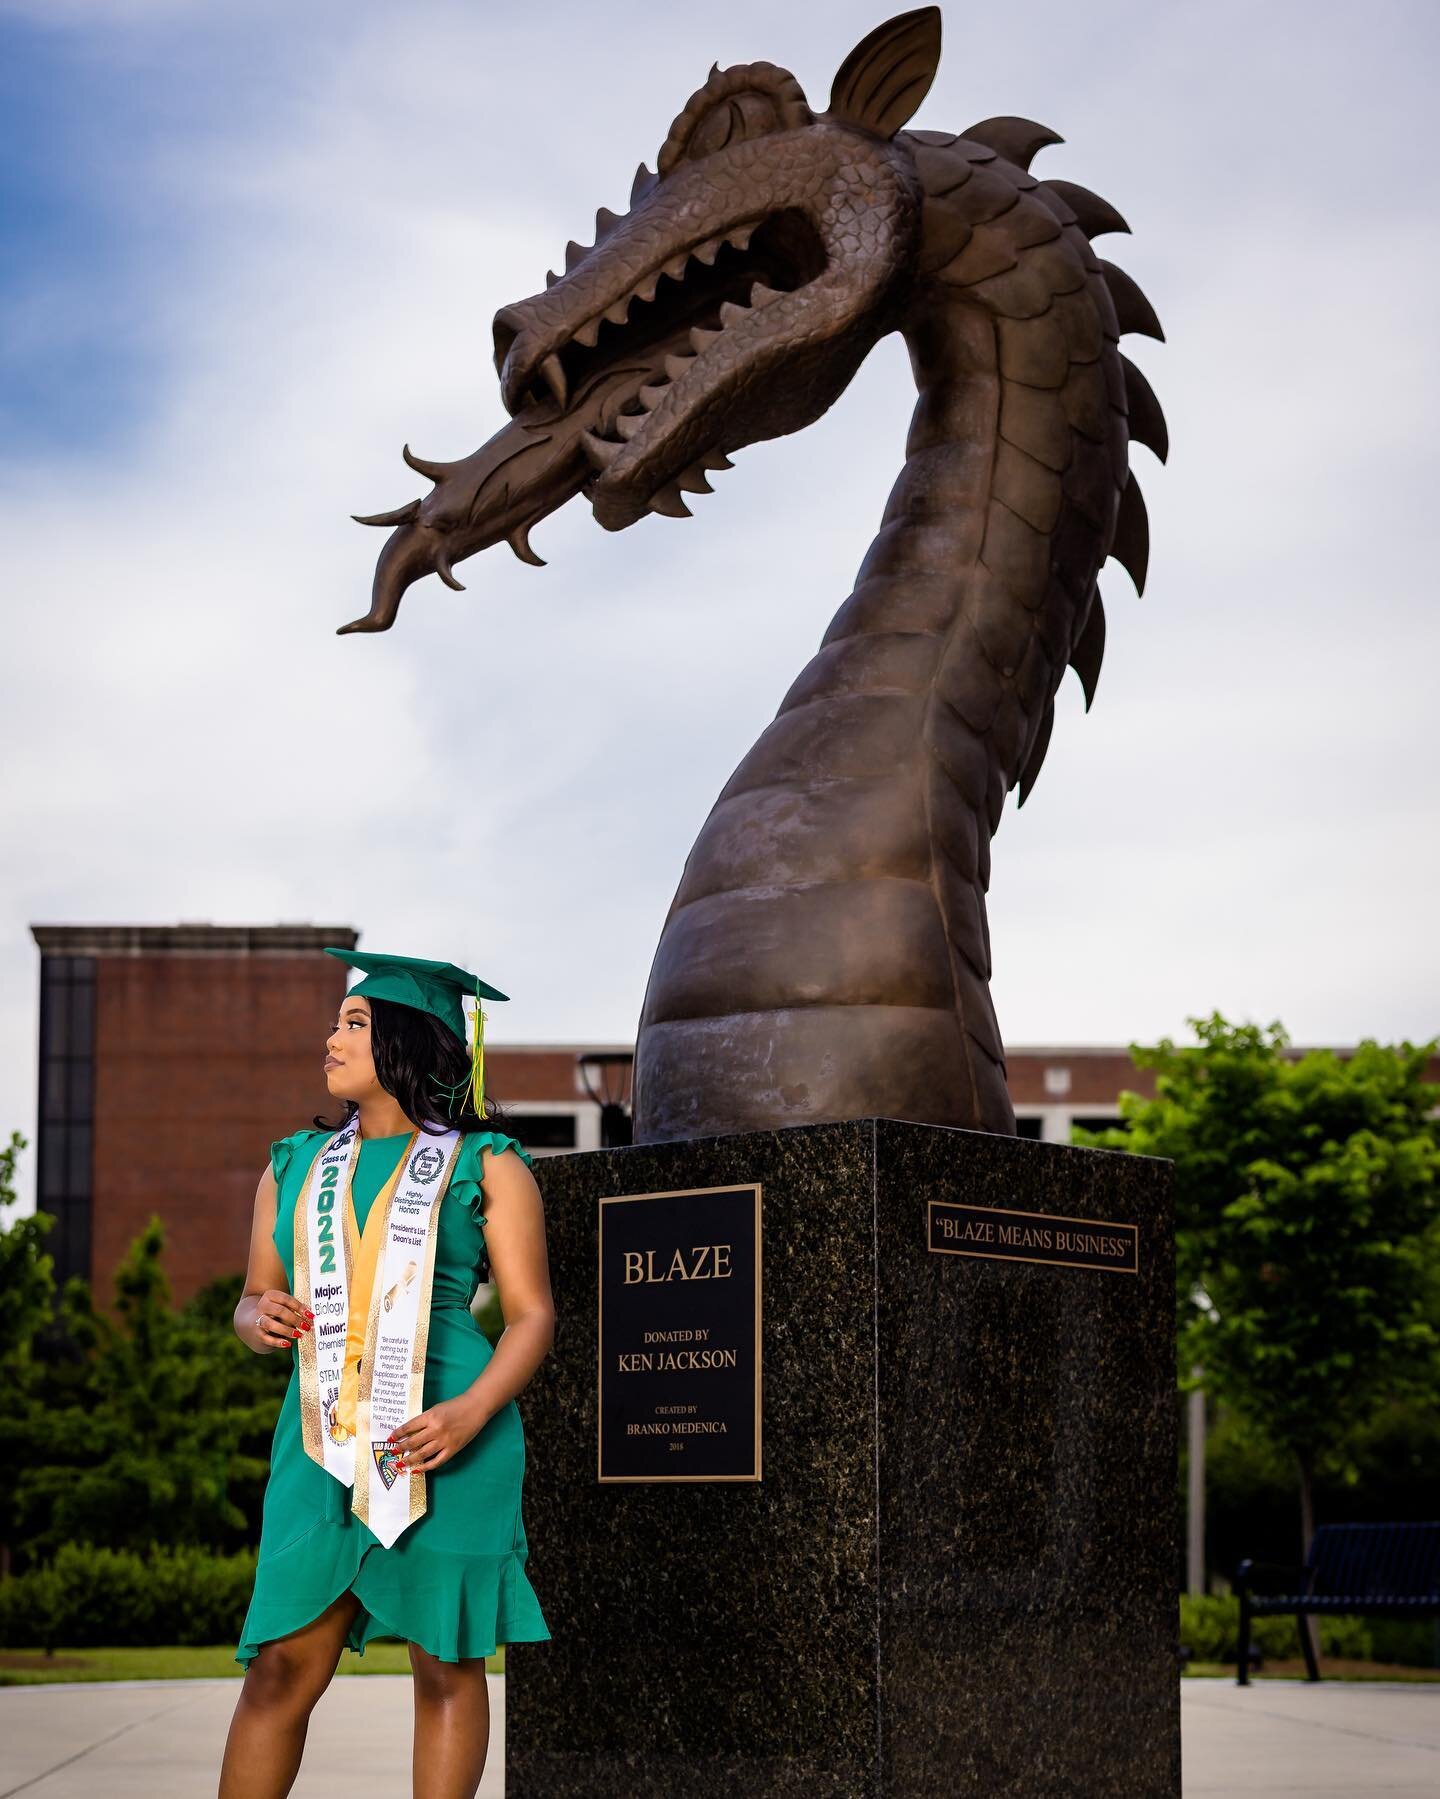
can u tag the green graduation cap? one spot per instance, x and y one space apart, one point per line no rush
438 988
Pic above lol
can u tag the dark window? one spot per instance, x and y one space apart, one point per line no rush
67 1103
1027 1126
544 1130
1100 1124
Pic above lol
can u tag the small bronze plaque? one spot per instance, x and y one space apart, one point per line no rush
1002 1236
679 1335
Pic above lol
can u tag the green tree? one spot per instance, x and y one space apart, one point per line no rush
27 1279
148 1427
27 1274
1307 1227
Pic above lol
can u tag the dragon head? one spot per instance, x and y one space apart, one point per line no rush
733 302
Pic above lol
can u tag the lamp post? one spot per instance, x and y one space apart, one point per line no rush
606 1076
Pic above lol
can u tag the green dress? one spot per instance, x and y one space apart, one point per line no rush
454 1582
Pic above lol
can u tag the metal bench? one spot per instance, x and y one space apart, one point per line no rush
1369 1570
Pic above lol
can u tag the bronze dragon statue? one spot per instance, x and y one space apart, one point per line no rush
827 953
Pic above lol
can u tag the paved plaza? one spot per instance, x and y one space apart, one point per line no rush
163 1740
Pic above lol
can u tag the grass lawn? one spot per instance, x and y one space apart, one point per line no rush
1331 1668
30 1667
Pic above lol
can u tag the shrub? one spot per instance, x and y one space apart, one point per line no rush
1210 1630
88 1597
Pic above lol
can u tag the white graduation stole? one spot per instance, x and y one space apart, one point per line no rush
371 1291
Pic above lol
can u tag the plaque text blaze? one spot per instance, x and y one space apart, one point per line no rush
678 1335
998 1235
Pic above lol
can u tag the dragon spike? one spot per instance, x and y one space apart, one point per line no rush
519 541
442 568
668 502
432 471
1093 215
1037 753
1017 140
1131 548
1132 309
1147 421
550 278
605 222
575 253
644 180
1090 648
402 515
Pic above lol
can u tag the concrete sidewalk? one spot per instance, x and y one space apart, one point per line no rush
1355 1740
163 1740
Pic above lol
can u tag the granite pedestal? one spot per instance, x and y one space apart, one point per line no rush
957 1574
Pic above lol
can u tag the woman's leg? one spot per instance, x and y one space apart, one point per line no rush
282 1684
452 1725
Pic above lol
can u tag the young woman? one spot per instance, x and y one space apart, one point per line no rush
393 1507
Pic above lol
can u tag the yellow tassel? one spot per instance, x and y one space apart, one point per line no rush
477 1059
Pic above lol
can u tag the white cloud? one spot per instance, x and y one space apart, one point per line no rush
1243 820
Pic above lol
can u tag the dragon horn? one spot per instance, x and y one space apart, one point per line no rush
442 568
433 471
402 515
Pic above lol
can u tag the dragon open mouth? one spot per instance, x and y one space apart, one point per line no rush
674 325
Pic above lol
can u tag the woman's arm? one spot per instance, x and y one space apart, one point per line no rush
515 1240
267 1318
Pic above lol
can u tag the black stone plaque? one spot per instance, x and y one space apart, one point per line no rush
1006 1236
679 1335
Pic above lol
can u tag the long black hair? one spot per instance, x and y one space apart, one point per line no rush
421 1063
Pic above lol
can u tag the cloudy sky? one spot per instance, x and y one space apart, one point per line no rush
251 248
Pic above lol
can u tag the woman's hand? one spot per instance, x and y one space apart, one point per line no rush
437 1435
279 1318
267 1318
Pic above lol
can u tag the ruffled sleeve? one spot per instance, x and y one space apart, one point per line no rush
282 1151
470 1166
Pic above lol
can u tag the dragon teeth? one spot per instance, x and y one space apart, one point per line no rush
760 295
651 396
588 332
619 312
708 252
701 339
554 377
731 314
675 366
646 289
693 480
629 423
676 266
741 238
601 451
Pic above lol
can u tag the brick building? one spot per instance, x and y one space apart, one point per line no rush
170 1056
